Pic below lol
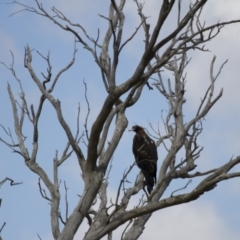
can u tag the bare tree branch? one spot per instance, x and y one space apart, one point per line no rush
12 182
163 64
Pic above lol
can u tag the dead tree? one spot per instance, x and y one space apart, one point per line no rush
165 54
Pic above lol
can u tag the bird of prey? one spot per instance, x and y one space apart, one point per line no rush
145 153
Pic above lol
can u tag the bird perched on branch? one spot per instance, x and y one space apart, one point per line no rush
145 152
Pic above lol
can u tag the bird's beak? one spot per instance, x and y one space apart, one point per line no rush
130 129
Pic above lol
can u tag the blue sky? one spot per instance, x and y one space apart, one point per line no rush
216 215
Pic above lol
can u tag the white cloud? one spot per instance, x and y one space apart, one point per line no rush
222 9
7 44
198 221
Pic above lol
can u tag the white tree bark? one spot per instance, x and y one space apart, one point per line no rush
168 53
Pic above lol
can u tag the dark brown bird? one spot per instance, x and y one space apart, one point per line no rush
145 152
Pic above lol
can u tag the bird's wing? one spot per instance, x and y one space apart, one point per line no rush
145 153
151 148
138 145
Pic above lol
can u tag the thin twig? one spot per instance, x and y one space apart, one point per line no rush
88 110
39 236
42 191
2 227
182 188
12 183
122 181
66 200
125 229
61 219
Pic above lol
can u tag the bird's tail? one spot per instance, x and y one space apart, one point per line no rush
149 182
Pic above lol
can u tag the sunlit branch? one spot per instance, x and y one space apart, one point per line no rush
56 105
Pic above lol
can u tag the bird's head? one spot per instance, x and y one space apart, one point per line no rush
136 128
